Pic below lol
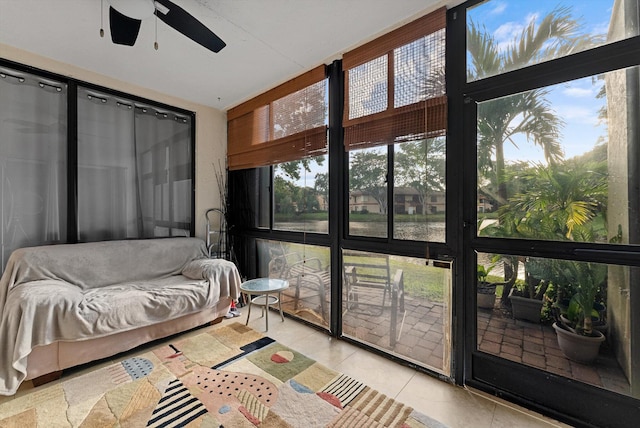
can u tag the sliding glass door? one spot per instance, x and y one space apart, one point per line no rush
551 114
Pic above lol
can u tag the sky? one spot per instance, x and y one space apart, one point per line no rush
574 101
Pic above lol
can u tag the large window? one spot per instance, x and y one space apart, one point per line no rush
394 122
134 164
395 108
383 168
134 169
279 163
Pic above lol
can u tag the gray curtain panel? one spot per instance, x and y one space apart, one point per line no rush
33 165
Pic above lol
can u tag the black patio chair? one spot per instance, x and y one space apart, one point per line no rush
370 289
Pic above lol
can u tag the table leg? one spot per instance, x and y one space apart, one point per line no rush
249 311
266 308
280 306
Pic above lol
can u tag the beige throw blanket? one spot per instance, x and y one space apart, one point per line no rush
82 291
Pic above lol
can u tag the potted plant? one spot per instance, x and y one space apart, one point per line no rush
485 290
526 296
577 338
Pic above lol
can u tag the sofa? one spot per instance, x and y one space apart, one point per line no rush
69 304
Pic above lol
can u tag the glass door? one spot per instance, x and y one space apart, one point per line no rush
554 251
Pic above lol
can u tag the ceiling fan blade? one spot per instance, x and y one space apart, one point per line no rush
124 30
178 18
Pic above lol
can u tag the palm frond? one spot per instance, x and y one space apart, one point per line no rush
483 51
539 43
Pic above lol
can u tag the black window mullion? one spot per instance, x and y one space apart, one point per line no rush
338 191
272 199
390 188
192 157
72 162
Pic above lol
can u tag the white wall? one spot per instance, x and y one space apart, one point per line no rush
211 124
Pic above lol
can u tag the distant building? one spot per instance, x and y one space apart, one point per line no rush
484 204
406 200
362 201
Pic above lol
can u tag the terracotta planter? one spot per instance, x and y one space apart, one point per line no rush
525 308
583 349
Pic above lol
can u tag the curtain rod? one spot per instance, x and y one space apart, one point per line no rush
4 75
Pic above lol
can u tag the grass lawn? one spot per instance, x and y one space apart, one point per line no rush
423 281
419 280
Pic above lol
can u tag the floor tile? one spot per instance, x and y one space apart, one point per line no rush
452 405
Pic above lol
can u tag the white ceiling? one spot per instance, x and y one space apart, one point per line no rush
268 41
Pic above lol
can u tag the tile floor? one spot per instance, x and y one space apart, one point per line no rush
452 405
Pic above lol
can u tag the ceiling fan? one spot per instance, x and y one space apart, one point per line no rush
125 17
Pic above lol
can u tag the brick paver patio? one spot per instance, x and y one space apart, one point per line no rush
422 335
536 345
420 331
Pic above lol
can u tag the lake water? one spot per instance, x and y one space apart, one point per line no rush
434 232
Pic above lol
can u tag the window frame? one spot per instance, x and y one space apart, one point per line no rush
72 136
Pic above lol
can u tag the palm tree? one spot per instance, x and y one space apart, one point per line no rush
527 113
558 202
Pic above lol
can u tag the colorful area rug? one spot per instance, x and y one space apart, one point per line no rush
231 376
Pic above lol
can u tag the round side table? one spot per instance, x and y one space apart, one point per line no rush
267 292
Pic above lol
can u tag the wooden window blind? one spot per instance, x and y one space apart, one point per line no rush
284 124
395 86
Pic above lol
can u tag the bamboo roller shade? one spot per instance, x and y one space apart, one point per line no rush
377 69
253 140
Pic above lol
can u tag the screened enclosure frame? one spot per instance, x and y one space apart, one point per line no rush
428 115
550 394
